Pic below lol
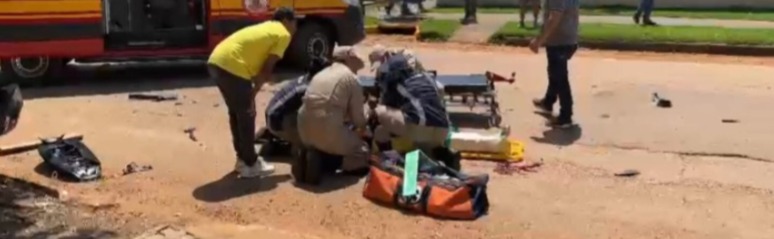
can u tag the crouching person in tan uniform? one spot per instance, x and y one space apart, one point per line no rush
332 120
410 106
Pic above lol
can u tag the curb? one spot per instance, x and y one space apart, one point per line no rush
659 47
372 29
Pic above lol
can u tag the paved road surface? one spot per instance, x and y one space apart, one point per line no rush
694 183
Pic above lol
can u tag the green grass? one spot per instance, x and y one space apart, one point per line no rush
437 29
726 13
371 21
622 33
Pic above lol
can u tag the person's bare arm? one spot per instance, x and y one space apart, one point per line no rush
275 55
266 73
555 12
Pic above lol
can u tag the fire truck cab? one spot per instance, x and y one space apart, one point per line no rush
39 37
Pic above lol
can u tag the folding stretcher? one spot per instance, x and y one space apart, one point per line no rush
470 90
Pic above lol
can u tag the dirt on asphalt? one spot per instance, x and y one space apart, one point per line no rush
700 177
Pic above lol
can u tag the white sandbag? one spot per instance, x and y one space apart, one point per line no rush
478 142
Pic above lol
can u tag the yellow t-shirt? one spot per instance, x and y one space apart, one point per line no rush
244 52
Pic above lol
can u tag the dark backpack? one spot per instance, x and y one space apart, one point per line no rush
11 103
70 158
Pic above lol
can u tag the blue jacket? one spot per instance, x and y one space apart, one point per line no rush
285 102
415 93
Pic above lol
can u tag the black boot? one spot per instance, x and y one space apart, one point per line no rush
636 18
450 158
384 147
298 169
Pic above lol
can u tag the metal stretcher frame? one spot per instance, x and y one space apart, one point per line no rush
479 87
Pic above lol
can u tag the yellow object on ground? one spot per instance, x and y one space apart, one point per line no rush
512 151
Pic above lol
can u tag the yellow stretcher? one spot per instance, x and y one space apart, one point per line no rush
510 150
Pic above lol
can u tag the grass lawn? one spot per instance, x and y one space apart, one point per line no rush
371 21
437 29
622 33
731 13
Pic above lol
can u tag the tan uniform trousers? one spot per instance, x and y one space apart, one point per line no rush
391 122
325 131
334 97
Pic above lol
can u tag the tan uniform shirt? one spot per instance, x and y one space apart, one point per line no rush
333 97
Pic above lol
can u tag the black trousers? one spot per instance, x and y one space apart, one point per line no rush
238 95
559 80
470 9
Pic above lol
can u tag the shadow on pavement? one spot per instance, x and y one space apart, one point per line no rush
116 78
229 187
557 136
31 211
330 183
44 170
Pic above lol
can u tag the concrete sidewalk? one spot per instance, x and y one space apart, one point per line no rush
490 23
625 20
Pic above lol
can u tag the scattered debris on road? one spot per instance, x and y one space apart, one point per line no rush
164 232
70 157
136 168
153 96
627 173
190 131
509 168
32 144
730 121
661 102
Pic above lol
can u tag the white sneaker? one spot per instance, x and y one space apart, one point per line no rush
259 169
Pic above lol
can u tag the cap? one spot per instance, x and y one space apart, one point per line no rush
344 52
375 57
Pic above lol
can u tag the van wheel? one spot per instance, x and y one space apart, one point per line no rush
30 71
312 39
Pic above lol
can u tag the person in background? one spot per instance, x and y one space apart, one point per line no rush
529 4
643 13
471 7
282 110
560 37
404 7
334 100
240 65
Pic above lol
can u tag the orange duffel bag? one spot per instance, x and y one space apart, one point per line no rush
437 190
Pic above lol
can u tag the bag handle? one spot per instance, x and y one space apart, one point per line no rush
410 174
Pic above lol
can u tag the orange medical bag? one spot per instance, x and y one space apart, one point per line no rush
438 191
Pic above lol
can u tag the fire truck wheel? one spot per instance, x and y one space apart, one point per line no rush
311 39
29 71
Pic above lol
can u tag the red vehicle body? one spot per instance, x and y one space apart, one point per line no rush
39 37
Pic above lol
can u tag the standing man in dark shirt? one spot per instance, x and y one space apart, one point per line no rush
560 37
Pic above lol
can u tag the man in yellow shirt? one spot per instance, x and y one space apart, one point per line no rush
240 65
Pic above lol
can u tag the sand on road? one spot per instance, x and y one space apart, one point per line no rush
701 178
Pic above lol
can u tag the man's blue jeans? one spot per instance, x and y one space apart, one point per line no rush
559 79
644 9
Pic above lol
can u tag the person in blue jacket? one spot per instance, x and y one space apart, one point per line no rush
410 106
282 111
